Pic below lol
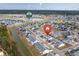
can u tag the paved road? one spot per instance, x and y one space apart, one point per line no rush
46 43
60 52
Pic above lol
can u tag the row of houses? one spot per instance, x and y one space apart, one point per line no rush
9 21
40 47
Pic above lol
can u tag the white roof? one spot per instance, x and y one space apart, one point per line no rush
61 45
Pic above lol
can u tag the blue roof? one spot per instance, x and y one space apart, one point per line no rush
39 47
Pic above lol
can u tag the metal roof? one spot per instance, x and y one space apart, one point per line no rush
31 38
39 47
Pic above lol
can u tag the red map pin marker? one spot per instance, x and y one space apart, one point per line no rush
47 28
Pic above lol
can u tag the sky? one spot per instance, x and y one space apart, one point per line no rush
39 6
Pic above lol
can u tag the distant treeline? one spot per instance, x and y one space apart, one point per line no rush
67 12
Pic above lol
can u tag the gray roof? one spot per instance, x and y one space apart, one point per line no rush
50 54
76 53
31 38
39 47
